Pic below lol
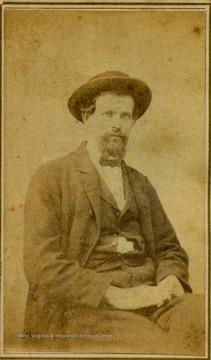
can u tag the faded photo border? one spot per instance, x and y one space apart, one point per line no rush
27 95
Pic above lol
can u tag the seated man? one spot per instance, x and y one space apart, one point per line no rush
104 265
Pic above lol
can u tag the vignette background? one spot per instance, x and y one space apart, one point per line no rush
47 55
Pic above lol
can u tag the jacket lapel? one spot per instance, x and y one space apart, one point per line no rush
106 194
137 185
90 179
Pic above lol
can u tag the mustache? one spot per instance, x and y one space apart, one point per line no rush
115 133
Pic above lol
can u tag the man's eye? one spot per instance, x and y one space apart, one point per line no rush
126 116
108 113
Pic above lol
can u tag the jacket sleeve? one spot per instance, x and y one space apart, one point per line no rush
47 269
170 257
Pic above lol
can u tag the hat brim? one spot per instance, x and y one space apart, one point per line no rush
131 86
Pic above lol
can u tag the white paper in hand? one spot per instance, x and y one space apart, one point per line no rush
123 245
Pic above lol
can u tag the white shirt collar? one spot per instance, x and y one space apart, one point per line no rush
112 175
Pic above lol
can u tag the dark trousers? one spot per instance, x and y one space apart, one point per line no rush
175 329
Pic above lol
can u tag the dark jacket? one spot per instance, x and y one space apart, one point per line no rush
62 217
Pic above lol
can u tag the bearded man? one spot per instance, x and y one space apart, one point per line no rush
105 268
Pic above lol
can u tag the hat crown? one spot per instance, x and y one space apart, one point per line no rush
109 75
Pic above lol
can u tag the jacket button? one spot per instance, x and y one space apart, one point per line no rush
114 243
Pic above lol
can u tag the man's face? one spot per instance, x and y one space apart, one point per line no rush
110 125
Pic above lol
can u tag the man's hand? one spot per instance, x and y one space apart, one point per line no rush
134 298
172 286
144 296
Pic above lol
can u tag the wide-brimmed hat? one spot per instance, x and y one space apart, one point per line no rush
111 81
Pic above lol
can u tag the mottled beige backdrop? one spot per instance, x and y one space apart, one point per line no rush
50 52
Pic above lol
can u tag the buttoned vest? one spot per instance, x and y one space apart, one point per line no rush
114 225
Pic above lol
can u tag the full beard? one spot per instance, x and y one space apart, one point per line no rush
113 148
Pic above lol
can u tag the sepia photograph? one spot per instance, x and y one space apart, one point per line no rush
105 180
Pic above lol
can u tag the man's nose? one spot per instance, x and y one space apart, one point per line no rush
116 122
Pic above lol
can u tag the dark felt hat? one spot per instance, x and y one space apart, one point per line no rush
111 81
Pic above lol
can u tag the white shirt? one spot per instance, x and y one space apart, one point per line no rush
112 175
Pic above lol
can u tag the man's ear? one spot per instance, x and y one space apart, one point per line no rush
134 121
84 117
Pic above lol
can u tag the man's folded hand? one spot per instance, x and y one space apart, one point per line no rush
134 298
142 296
172 286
